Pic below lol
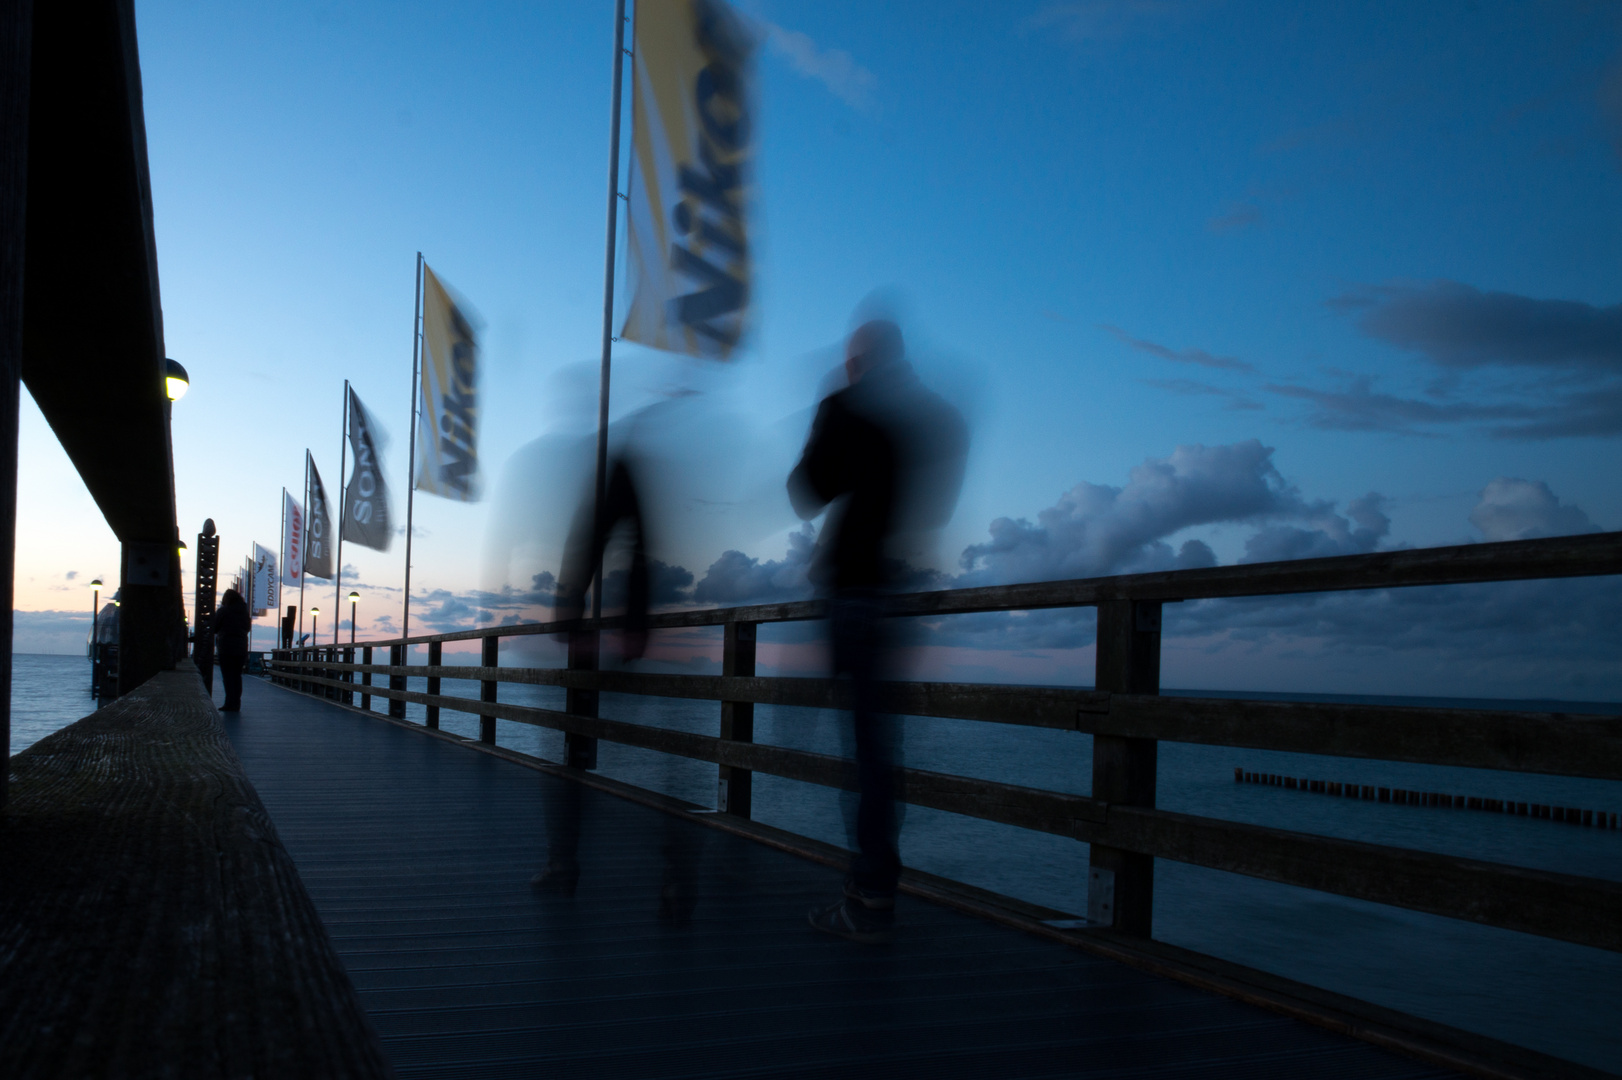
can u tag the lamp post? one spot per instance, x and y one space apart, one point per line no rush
315 618
95 634
354 598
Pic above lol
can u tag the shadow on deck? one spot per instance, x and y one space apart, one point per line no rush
418 852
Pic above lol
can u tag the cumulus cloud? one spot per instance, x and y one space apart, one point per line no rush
835 69
736 578
1097 529
1514 509
1181 356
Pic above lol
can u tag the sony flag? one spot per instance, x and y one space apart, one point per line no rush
265 595
320 542
292 541
366 499
693 144
448 425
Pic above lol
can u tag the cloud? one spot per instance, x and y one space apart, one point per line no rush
1358 407
1096 529
1237 401
736 578
1330 534
1460 327
71 574
58 632
835 69
1108 20
1514 509
1236 217
1186 356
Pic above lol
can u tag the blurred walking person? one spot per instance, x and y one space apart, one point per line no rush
230 626
885 457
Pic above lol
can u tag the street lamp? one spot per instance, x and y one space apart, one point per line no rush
175 380
354 598
315 620
95 628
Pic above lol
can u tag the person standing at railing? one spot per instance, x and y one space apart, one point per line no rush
885 458
230 626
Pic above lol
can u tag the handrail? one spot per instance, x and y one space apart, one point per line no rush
1550 743
1126 715
1592 555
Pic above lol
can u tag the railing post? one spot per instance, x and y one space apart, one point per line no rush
366 678
580 751
1120 886
349 676
436 656
397 658
487 688
733 789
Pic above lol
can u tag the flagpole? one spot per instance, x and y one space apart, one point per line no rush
411 467
343 467
302 560
608 302
281 566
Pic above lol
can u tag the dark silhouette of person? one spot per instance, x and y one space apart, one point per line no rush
589 537
885 456
230 626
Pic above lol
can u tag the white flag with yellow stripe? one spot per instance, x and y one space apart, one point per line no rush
692 148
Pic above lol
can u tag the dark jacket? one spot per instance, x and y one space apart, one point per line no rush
891 453
230 626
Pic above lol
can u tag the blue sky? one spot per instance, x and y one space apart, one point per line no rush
1377 239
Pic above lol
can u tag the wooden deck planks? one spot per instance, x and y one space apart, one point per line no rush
417 852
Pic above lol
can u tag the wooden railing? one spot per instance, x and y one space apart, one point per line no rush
1126 718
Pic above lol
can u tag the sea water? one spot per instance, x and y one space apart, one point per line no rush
1558 998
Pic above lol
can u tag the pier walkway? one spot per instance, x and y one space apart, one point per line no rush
418 851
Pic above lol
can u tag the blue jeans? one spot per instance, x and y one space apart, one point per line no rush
857 635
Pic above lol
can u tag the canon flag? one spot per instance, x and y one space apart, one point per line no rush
693 144
448 425
292 541
265 594
318 545
366 499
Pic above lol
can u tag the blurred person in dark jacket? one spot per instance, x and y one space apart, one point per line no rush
230 626
885 457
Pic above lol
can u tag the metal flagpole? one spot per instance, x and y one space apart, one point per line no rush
343 464
608 300
281 564
411 467
304 550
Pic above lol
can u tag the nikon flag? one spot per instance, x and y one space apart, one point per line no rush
366 499
448 425
688 243
319 543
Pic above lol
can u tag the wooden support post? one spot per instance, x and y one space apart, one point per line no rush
733 789
487 689
580 751
147 612
366 679
397 658
16 51
349 676
1120 887
436 656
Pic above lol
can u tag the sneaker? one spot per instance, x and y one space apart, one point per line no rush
871 899
841 920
